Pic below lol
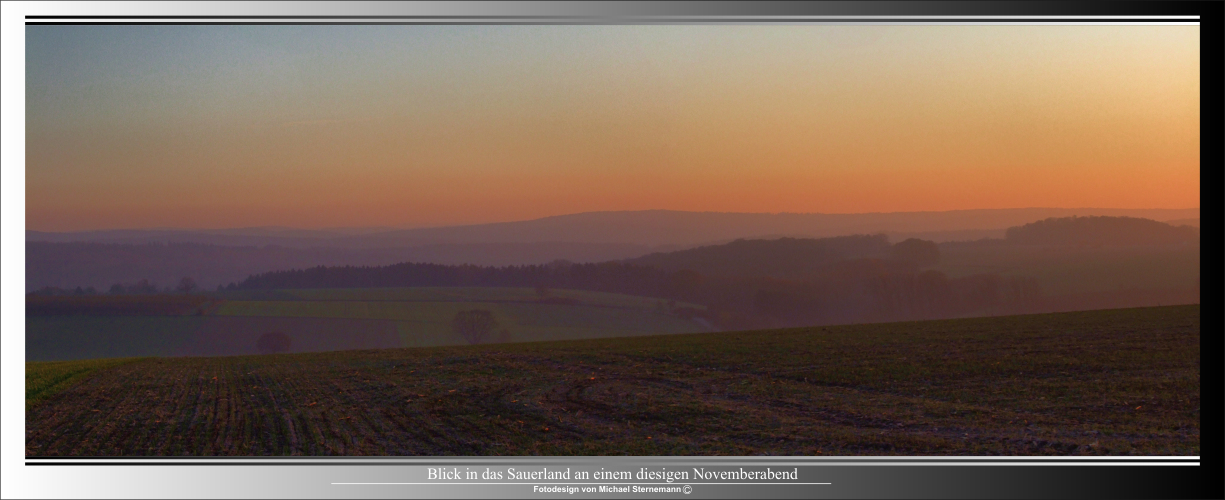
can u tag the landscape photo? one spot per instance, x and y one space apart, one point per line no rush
612 239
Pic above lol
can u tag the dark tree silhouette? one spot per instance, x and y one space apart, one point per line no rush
474 325
922 253
186 285
1097 230
785 258
141 287
273 342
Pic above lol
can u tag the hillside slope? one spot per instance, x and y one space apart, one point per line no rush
1101 231
1117 382
786 258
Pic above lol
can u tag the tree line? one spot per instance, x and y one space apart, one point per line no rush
1097 230
139 287
895 286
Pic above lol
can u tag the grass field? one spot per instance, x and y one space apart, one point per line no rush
44 379
163 304
1112 382
51 338
424 314
429 323
339 319
450 294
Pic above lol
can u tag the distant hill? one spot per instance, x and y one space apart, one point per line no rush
255 236
667 227
650 228
796 282
1184 222
1100 231
100 265
229 255
786 258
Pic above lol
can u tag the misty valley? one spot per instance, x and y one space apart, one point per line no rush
1057 264
851 344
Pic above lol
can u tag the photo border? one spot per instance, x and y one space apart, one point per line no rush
878 477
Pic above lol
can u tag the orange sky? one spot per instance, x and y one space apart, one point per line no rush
324 126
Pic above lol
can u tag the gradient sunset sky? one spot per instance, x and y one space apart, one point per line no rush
408 126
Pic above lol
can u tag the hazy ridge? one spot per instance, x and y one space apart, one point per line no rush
218 257
647 227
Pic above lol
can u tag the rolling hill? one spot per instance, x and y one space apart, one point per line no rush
72 328
1097 230
217 257
1115 382
784 258
651 228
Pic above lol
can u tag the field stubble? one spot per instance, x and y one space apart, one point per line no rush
1098 382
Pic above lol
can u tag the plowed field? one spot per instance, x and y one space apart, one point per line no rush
1098 382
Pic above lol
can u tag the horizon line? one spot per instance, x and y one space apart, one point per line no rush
408 228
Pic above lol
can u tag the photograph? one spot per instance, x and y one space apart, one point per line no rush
754 240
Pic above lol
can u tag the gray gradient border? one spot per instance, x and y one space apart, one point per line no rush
315 477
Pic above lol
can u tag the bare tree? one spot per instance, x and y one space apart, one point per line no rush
474 325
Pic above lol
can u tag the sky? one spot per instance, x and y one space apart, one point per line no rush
413 126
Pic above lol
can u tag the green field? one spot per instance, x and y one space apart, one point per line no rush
1114 382
86 337
45 379
423 315
450 294
420 316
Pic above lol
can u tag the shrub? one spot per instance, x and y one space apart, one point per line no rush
474 325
